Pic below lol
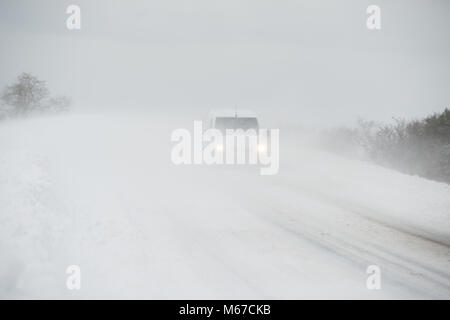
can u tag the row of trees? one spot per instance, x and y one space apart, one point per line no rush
29 95
419 147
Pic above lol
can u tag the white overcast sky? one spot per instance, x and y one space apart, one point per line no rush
306 61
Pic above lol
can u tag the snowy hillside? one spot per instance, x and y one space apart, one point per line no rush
101 192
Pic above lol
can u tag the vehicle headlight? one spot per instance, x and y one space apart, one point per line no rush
261 148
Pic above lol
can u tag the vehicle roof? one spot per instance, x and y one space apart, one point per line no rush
240 113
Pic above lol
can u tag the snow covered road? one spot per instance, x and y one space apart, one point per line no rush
101 192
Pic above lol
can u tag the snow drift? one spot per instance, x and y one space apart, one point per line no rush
101 192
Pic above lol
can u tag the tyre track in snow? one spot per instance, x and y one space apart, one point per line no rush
361 251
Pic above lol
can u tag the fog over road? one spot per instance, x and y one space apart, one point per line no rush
101 192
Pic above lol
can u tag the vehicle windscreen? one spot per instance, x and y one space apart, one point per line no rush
235 123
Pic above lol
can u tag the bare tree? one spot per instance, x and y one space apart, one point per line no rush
30 95
59 104
26 95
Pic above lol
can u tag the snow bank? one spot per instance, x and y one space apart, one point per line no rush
101 192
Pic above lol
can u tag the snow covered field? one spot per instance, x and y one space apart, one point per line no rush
101 192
